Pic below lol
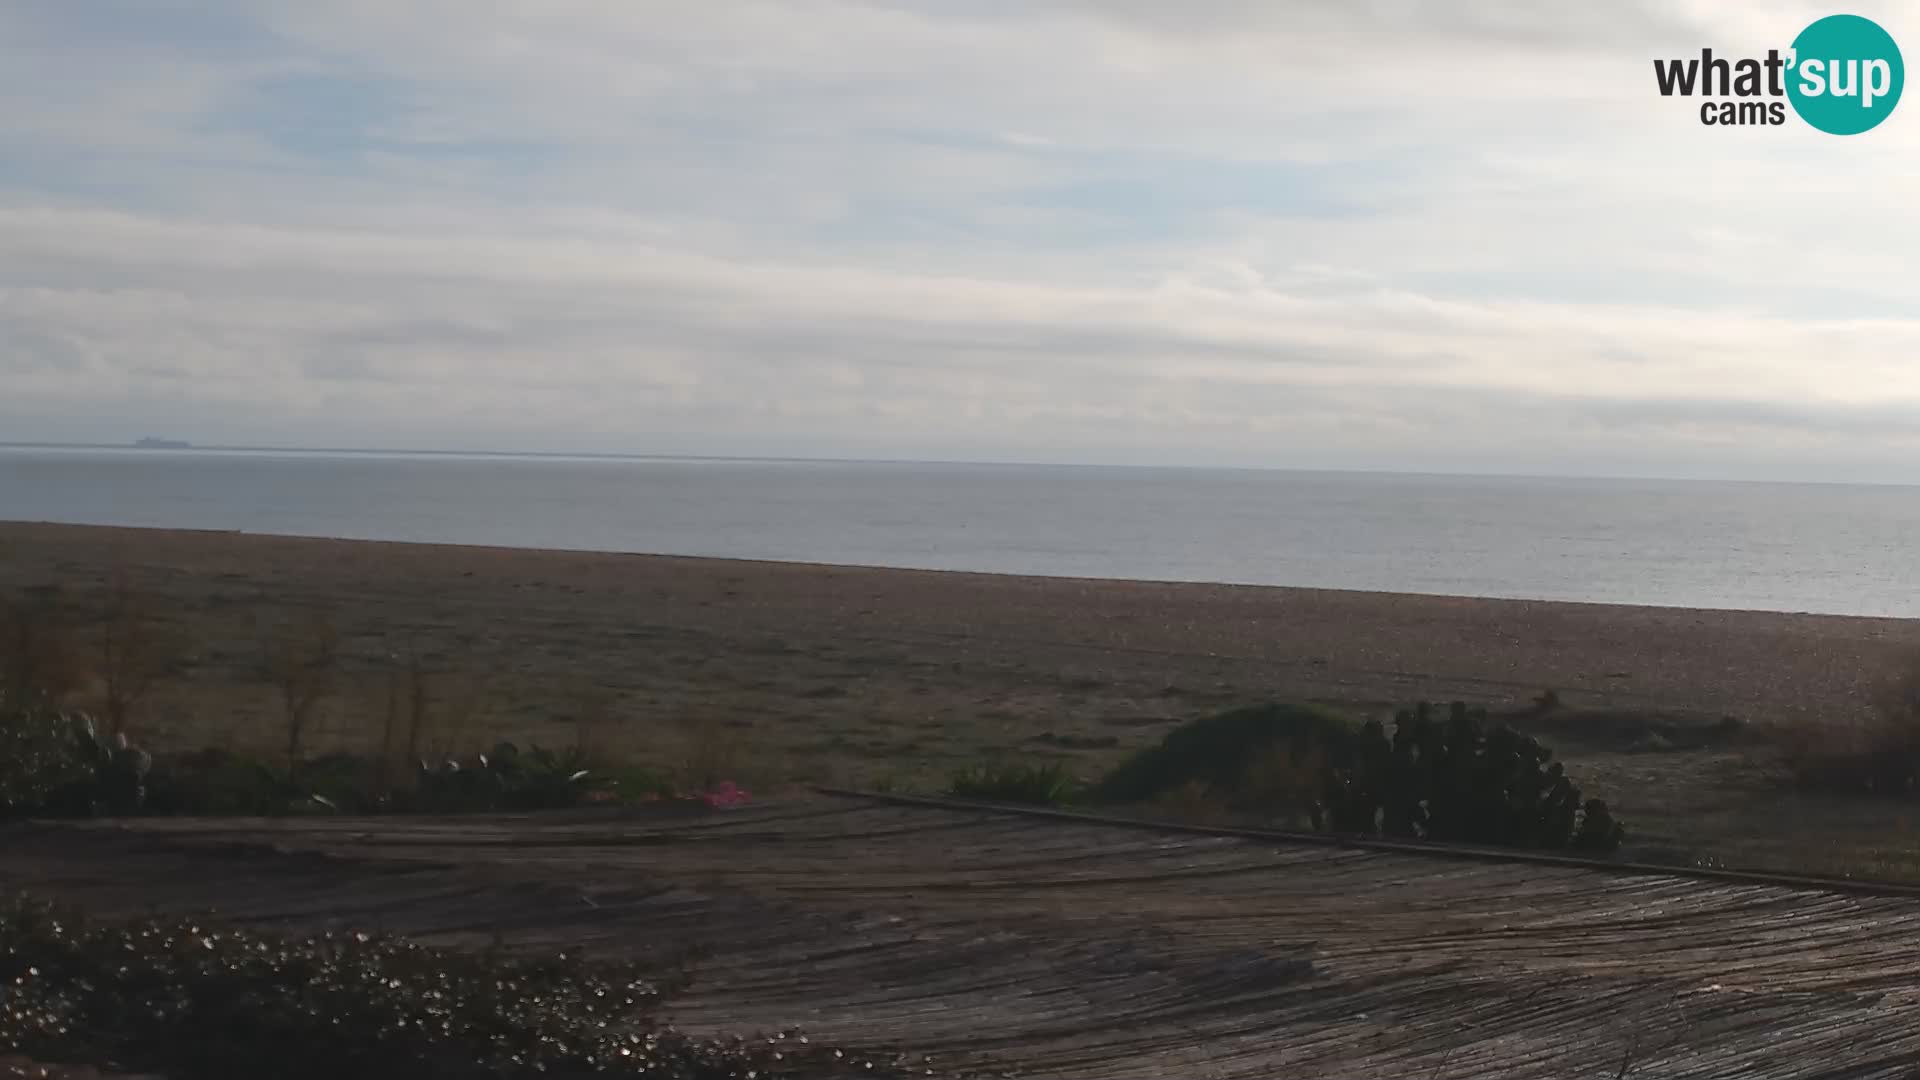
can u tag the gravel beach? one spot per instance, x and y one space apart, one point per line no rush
660 638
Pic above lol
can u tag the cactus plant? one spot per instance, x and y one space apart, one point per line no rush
38 756
61 764
1450 778
116 780
504 778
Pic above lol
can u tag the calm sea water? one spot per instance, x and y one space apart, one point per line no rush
1784 547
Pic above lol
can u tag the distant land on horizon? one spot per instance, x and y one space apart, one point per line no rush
152 442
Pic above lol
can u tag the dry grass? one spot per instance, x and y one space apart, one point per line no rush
1286 784
40 653
426 715
301 660
1873 754
131 651
1194 803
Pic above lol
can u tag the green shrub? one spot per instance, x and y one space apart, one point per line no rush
218 783
637 783
1041 785
1453 780
1219 752
348 783
198 1003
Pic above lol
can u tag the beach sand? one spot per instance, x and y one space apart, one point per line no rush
832 674
898 651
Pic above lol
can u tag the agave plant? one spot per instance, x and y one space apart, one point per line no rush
506 778
115 780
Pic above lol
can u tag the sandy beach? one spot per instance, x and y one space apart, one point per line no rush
789 674
896 660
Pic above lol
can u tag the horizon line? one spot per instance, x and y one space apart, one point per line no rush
186 447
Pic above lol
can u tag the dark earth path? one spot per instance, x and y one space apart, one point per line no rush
1071 949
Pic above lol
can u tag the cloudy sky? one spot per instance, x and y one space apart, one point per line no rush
1322 233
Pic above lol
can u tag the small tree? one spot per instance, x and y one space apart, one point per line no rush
303 663
428 712
131 650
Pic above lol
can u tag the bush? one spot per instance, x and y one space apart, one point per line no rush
1457 781
194 1002
55 764
37 757
1239 755
1040 785
1452 780
218 783
637 783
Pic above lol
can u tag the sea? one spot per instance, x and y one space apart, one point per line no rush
1828 548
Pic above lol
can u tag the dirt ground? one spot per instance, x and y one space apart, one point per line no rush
1075 950
789 672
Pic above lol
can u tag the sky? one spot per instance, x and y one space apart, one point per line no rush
1461 236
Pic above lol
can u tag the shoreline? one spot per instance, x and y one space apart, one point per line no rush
7 525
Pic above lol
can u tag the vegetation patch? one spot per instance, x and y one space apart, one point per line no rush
52 763
1453 778
192 1002
1227 753
1633 731
219 783
1875 755
57 764
1012 782
1077 742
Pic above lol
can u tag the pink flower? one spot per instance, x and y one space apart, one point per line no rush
726 793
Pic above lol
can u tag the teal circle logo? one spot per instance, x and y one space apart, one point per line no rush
1846 75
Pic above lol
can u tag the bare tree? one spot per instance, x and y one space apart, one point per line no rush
303 662
131 650
429 713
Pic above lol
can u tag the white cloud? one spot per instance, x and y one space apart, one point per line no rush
1320 233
